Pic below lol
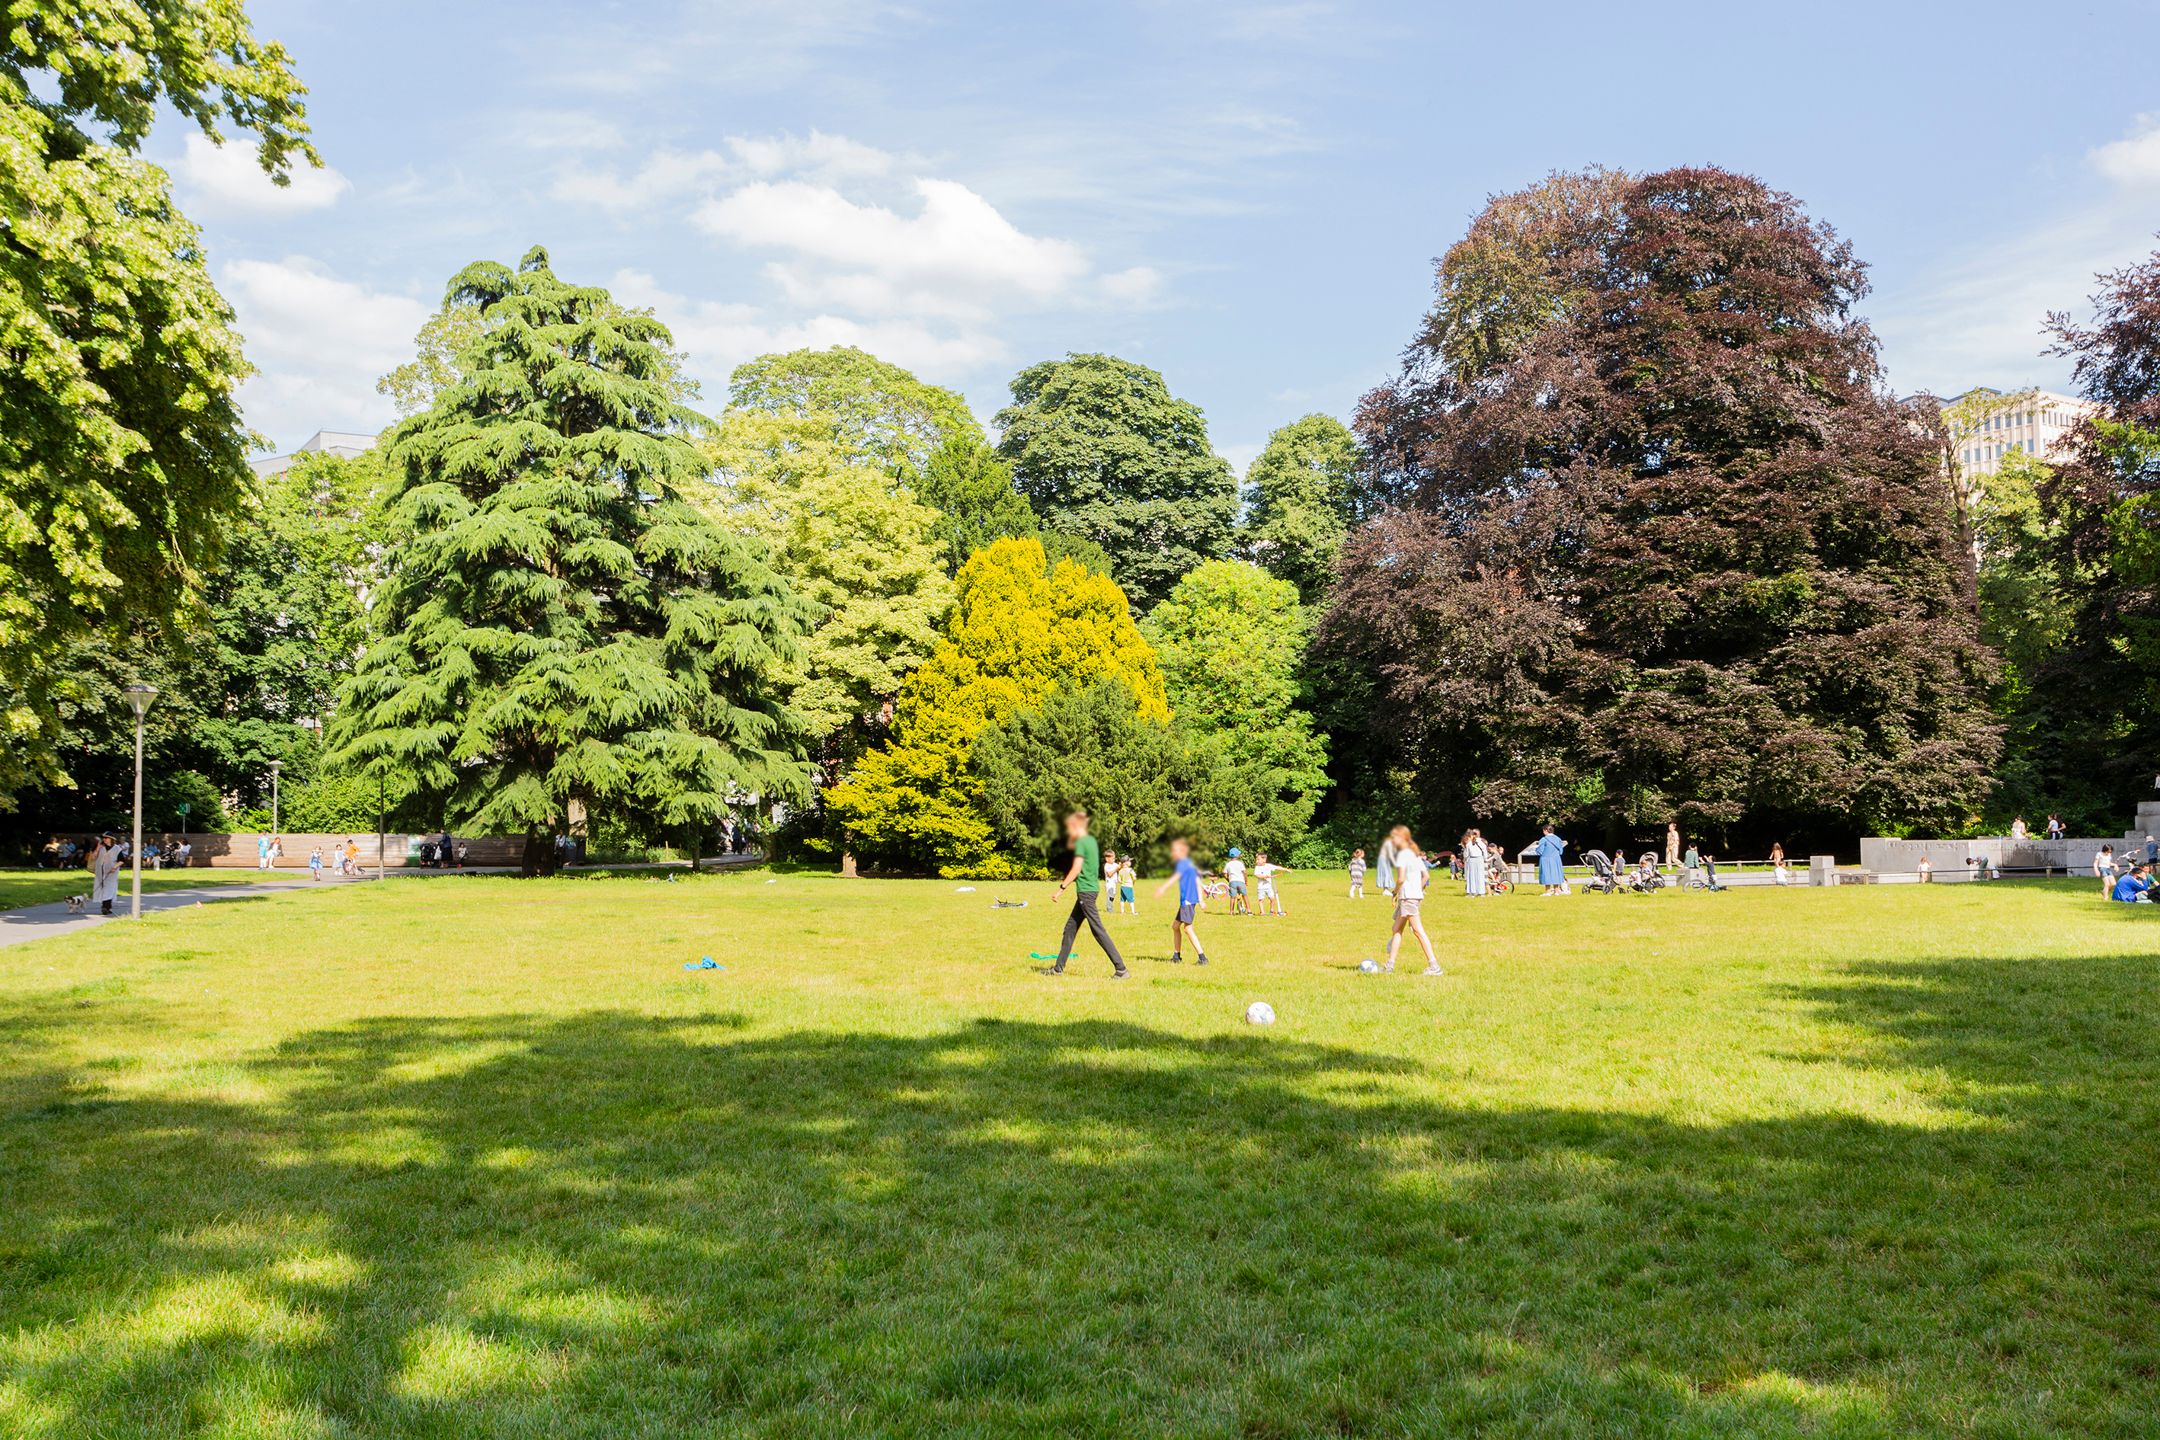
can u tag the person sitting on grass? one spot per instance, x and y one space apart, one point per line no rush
1186 876
2135 888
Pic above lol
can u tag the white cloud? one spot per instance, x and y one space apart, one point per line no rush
717 336
228 177
2134 160
819 154
1140 285
956 256
670 175
318 343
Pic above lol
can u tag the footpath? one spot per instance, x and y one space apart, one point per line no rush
40 922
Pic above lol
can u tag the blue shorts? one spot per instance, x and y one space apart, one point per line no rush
1124 893
1185 912
1237 887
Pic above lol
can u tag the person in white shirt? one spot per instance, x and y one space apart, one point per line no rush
1233 870
1410 873
1264 874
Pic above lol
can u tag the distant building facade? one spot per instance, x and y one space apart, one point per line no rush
1987 425
322 442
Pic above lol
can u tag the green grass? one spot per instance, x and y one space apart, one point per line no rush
41 887
475 1157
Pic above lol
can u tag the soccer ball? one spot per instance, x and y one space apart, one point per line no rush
1369 967
1259 1013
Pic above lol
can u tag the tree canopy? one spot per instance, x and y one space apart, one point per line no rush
1231 641
1302 494
1019 628
1671 550
870 407
121 448
973 492
1105 452
560 625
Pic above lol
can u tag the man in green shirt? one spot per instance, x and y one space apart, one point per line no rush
1085 878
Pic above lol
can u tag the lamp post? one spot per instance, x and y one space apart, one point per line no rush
139 695
275 766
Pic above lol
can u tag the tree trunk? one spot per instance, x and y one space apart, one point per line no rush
539 850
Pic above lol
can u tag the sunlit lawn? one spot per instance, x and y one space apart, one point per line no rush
476 1157
42 887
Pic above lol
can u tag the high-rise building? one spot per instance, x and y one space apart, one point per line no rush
1986 425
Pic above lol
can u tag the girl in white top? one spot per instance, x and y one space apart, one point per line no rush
1410 869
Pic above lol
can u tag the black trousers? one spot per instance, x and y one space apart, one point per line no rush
1084 909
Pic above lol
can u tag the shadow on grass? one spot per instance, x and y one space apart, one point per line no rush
616 1225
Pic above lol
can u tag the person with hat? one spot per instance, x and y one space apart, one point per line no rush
1233 871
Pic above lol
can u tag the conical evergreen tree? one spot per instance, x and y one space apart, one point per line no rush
560 624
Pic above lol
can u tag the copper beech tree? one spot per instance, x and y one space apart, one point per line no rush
1659 542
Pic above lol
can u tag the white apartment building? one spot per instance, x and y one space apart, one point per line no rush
1986 425
331 442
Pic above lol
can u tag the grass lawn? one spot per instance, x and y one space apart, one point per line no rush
41 887
477 1157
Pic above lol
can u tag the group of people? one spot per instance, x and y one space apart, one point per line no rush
2124 879
64 852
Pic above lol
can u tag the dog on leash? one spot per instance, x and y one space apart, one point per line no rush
76 903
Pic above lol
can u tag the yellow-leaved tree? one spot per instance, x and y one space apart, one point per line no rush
1019 628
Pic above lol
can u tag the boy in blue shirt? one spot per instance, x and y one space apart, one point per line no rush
1186 876
2132 887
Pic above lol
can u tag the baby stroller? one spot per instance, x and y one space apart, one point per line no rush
1604 880
1645 879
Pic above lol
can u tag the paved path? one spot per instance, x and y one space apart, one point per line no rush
38 922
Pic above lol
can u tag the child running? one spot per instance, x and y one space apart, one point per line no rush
1125 879
1410 870
1186 876
1357 874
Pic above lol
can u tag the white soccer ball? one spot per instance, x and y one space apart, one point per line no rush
1259 1013
1370 967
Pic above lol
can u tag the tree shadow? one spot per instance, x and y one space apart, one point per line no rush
611 1224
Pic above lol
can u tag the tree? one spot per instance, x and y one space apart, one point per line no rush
1094 747
1671 551
851 542
1302 495
122 456
1105 452
973 492
560 626
453 329
1018 629
1231 641
872 408
2100 510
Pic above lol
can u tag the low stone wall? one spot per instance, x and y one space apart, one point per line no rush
1880 855
237 851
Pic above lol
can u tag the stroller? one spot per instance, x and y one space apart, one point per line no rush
1604 879
1645 879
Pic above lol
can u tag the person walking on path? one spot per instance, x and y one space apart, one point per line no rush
1084 878
1473 863
1186 876
1672 844
262 852
1410 873
105 873
1551 872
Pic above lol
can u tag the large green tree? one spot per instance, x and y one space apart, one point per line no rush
1019 628
1231 641
1302 494
122 455
561 627
1105 452
849 540
870 407
1671 550
973 492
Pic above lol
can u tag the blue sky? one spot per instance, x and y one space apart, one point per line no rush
1247 197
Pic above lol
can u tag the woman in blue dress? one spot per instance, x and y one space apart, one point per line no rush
1550 848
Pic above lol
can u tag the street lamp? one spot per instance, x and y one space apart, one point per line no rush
275 766
139 695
